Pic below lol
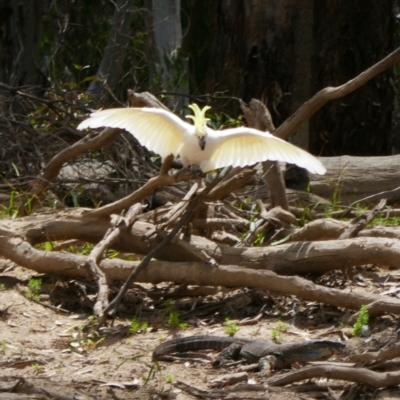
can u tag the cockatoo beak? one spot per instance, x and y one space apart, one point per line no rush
202 142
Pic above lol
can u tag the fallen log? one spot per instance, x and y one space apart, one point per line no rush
289 258
68 264
350 179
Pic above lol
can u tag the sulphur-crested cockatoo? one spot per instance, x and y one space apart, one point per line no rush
164 133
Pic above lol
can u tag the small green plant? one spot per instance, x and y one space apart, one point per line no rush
169 379
3 346
75 199
362 321
2 286
87 248
276 332
360 210
12 208
112 254
86 337
305 216
328 210
168 305
154 368
384 221
174 321
260 238
137 326
220 120
91 343
276 335
335 197
34 288
37 368
230 327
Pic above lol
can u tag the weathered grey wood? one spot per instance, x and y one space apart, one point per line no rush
199 273
354 178
287 258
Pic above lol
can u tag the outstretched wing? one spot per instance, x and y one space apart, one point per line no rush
245 146
159 130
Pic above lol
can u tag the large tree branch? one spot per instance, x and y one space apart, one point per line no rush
53 168
310 107
198 273
289 258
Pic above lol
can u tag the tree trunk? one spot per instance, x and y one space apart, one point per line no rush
260 39
251 53
303 51
350 37
169 69
20 41
110 69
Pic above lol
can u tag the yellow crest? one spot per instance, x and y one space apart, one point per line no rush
199 117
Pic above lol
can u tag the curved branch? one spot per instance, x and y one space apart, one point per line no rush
289 258
196 273
309 108
359 375
91 141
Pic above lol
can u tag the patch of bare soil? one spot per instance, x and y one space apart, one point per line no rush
48 349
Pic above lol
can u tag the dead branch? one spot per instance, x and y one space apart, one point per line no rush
167 240
215 223
277 219
358 375
237 178
310 107
94 258
89 142
329 229
360 222
169 219
288 258
145 99
349 178
162 179
68 264
387 353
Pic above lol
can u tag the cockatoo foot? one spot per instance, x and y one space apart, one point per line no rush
190 172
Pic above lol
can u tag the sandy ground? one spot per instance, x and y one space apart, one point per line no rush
42 348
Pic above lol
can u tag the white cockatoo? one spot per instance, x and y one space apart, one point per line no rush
165 133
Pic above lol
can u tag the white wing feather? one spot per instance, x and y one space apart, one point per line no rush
245 146
164 133
159 130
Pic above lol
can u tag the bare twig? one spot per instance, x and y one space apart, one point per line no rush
387 353
162 179
360 222
94 258
185 218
